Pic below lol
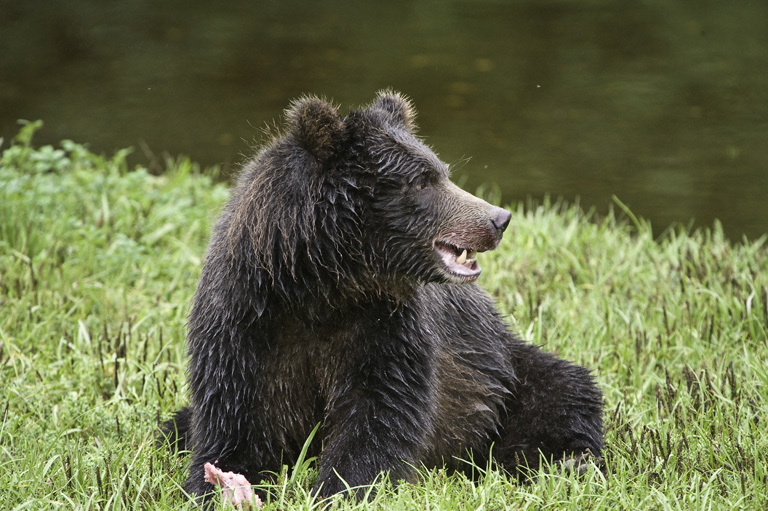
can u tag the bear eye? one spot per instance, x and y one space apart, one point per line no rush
422 182
417 184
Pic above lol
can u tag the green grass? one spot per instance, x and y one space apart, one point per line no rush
98 264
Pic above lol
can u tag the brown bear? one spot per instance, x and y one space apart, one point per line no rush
339 289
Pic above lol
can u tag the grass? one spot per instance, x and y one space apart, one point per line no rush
98 264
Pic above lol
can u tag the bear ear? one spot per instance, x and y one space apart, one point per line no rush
398 107
316 124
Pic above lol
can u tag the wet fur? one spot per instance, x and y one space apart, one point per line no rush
321 301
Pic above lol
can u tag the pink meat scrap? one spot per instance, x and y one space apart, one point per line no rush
235 488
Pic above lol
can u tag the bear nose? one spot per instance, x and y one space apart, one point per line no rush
500 220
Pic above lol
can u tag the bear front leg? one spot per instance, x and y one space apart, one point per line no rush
380 416
229 446
555 413
225 429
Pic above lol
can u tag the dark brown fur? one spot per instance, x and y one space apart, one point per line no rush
332 293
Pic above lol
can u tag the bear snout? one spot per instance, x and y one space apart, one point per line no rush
457 249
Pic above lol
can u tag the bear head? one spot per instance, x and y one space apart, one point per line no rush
357 202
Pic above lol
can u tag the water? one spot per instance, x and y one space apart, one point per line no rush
663 104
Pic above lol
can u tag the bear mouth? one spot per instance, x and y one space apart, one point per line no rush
459 262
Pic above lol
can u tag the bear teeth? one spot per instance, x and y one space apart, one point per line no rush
459 262
466 257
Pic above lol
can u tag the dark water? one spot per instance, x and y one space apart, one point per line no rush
661 103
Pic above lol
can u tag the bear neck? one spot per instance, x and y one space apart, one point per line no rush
321 302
